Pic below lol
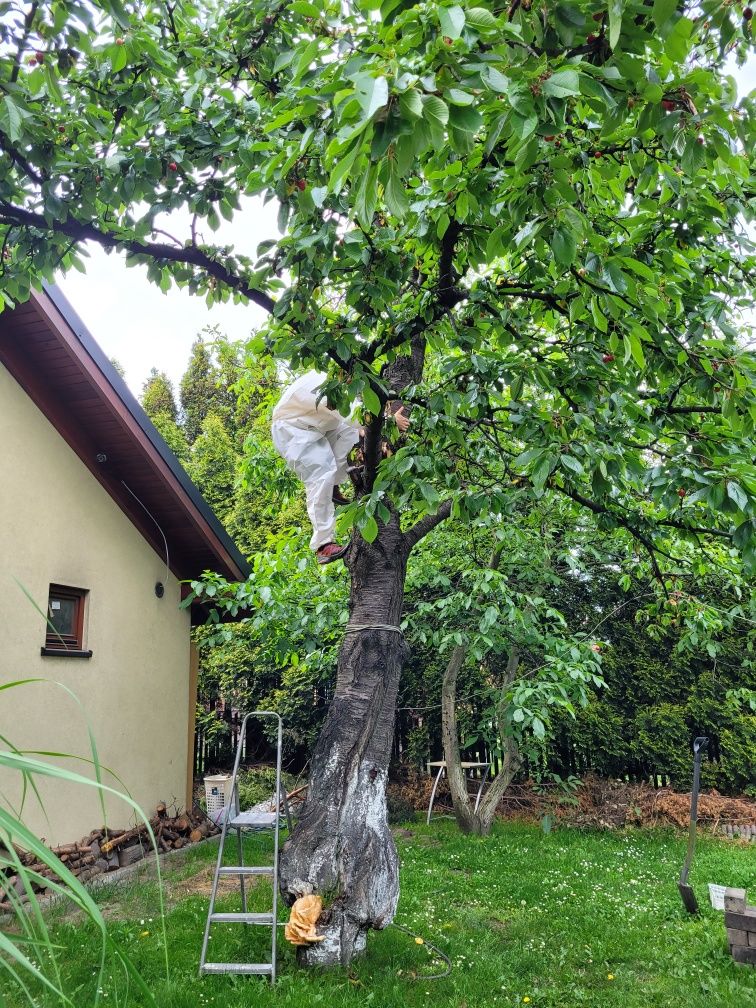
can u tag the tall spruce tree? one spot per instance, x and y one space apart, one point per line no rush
158 396
197 390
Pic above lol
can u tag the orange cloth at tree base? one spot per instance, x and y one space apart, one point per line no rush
304 916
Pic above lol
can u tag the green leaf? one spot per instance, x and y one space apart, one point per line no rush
677 43
737 494
391 9
369 530
411 104
371 401
342 167
119 57
452 21
694 156
435 112
564 247
117 10
525 235
11 118
615 21
663 11
481 19
367 197
372 94
467 120
634 348
495 79
562 84
457 97
394 194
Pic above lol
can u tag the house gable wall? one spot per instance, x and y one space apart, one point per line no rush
59 525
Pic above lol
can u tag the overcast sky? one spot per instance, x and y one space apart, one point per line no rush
142 328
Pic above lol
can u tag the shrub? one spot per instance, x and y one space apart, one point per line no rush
258 784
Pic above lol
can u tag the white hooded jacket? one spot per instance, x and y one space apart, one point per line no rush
314 441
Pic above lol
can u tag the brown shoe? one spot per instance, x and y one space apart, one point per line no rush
330 552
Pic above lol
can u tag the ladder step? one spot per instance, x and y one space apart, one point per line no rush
241 918
243 870
254 820
265 969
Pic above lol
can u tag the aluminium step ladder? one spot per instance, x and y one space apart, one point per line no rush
240 822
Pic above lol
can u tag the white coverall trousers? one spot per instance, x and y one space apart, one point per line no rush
314 441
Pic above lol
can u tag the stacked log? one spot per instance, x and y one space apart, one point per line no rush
102 850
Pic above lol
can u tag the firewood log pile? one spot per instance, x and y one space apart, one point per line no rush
104 850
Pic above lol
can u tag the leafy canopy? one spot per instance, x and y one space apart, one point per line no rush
549 202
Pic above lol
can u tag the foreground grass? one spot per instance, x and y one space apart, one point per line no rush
573 918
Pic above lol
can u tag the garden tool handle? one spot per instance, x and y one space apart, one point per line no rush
698 747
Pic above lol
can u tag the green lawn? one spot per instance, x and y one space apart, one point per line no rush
573 918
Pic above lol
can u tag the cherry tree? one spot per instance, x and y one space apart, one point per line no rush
527 221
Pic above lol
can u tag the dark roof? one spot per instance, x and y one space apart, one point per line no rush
49 351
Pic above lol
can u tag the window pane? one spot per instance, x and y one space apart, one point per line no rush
62 615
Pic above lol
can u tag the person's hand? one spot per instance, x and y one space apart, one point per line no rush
402 421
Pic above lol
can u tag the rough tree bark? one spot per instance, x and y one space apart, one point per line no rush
342 847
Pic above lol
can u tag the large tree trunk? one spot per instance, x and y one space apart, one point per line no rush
342 848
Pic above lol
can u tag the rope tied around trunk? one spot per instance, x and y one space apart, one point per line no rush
356 627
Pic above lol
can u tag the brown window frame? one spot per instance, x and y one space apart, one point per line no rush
72 644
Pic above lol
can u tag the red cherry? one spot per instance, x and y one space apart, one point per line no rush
40 57
597 154
668 106
120 41
700 140
595 647
61 129
301 184
98 178
591 38
598 16
548 138
172 166
448 41
748 13
681 492
32 61
608 358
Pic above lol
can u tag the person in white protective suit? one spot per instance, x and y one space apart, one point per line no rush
315 441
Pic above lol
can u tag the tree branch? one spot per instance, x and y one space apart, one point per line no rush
421 529
448 295
687 409
28 23
192 256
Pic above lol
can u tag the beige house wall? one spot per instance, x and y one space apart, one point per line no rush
59 526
